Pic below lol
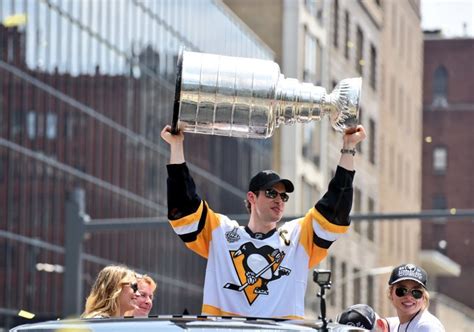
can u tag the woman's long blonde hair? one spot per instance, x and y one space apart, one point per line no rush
103 298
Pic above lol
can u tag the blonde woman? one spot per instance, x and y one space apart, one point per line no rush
410 298
114 292
146 289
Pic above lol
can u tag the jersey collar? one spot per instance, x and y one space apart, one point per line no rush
258 235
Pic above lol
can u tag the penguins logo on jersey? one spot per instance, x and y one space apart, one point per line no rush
256 267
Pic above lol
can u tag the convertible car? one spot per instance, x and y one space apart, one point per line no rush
182 323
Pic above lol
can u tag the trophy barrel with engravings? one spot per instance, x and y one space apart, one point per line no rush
243 97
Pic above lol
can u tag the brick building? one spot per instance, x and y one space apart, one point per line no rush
82 104
448 156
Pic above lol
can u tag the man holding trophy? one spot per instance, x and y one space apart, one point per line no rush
256 270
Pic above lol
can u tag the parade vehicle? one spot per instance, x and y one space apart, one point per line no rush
199 323
183 323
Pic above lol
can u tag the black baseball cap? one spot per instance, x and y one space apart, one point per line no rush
408 272
359 315
266 179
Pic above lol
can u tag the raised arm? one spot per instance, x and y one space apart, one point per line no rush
188 214
182 197
329 218
176 145
336 204
350 139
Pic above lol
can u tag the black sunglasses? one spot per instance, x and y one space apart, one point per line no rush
272 193
134 286
402 291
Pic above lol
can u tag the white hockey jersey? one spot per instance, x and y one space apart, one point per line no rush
257 275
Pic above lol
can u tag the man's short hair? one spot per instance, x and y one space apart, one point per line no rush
148 280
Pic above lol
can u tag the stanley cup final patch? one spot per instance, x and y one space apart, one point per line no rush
256 267
232 236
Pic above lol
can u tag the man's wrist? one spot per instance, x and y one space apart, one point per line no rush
351 151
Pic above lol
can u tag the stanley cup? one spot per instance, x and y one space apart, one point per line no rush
242 97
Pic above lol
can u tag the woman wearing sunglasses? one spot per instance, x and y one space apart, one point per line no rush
114 292
410 298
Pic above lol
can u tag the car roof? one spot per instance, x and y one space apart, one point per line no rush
180 323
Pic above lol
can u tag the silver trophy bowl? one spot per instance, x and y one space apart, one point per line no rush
242 97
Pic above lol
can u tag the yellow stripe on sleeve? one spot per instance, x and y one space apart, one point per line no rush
326 224
315 253
215 311
189 219
201 244
210 310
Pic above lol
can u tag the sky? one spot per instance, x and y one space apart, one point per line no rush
449 16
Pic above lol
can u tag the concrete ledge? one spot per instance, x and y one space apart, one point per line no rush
437 264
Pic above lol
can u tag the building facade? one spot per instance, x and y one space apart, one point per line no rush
400 129
355 33
85 89
448 109
323 42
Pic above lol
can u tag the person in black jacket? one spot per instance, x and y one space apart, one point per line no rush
257 269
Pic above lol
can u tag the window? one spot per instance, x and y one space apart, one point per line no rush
51 125
70 125
2 169
343 285
373 67
360 51
394 22
400 109
335 40
440 87
371 225
391 163
347 42
400 173
315 8
311 6
393 99
440 160
359 146
439 202
31 124
401 35
372 139
332 267
309 74
17 123
319 62
309 194
357 286
152 180
311 144
357 207
370 290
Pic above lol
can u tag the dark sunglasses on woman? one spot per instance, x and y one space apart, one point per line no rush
402 291
272 193
134 286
